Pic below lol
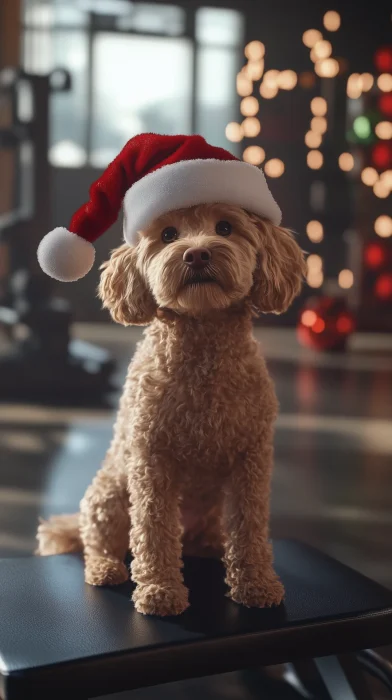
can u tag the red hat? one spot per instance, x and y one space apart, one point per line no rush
152 175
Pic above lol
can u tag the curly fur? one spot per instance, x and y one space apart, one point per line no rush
190 463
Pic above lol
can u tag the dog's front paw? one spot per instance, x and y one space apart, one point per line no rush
156 599
100 571
258 592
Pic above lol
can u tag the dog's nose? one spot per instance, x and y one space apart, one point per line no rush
197 258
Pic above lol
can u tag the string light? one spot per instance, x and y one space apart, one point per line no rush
383 226
234 132
311 37
244 85
308 318
315 160
346 279
287 79
254 155
381 190
255 69
268 92
319 125
367 81
315 231
346 162
251 127
369 176
271 78
322 49
384 130
249 106
274 167
331 20
384 82
318 106
327 68
254 50
312 139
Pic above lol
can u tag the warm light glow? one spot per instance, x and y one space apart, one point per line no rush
274 167
346 162
381 190
315 280
311 37
383 226
315 160
244 85
369 176
319 125
254 50
254 155
249 106
308 318
315 231
322 49
346 279
354 86
312 139
367 81
318 106
251 127
234 132
386 178
319 325
327 68
268 92
271 78
331 20
287 79
344 324
314 263
384 82
255 69
384 130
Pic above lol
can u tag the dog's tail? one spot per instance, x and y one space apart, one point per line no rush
59 535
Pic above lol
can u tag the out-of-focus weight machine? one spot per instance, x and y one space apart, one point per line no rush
41 362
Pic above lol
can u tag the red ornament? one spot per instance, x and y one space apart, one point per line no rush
385 104
325 324
383 59
383 287
382 155
374 255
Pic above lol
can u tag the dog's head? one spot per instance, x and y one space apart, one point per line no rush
200 259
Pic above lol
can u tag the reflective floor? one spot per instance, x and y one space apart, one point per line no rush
332 481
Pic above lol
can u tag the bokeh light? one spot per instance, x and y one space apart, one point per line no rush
274 167
346 162
315 160
249 106
255 69
383 59
383 226
362 127
315 231
308 318
367 81
254 50
254 155
312 139
287 79
384 82
383 287
369 176
271 78
307 80
384 130
346 279
311 37
381 190
319 125
322 49
234 132
251 127
268 92
318 106
386 178
331 20
354 86
244 85
327 68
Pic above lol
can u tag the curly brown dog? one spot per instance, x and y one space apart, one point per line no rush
193 439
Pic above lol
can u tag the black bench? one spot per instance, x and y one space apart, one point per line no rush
61 638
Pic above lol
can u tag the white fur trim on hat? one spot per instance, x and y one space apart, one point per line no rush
65 256
193 182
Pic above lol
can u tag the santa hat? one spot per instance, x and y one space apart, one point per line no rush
152 175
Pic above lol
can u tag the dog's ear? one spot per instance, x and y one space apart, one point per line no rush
280 269
123 290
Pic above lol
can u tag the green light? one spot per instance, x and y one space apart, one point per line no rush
362 127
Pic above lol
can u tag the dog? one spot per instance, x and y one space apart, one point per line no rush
191 458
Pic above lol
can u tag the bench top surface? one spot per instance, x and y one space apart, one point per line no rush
51 622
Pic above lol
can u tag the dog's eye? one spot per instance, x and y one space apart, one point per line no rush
169 234
223 228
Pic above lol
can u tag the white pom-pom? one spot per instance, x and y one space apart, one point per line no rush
65 256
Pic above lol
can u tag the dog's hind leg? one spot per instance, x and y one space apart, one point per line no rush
104 527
